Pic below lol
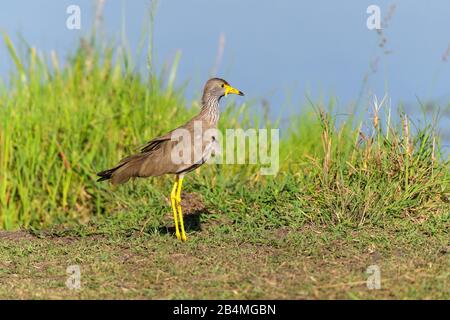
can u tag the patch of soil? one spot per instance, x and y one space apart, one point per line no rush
15 235
192 203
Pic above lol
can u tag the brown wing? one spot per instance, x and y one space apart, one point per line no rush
155 159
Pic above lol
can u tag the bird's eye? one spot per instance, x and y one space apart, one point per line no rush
222 85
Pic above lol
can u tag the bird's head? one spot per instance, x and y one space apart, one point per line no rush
218 88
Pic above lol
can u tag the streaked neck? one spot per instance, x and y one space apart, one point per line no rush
210 108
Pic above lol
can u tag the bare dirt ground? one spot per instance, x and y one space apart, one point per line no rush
309 263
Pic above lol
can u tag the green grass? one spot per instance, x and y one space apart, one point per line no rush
344 194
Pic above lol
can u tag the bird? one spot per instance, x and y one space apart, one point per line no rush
177 152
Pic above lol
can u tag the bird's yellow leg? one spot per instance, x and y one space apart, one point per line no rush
180 213
173 196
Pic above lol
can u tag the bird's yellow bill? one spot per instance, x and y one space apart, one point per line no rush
230 89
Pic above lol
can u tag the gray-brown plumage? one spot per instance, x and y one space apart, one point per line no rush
155 158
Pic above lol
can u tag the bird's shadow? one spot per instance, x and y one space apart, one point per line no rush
191 222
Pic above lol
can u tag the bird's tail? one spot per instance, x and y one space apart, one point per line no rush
127 168
107 174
